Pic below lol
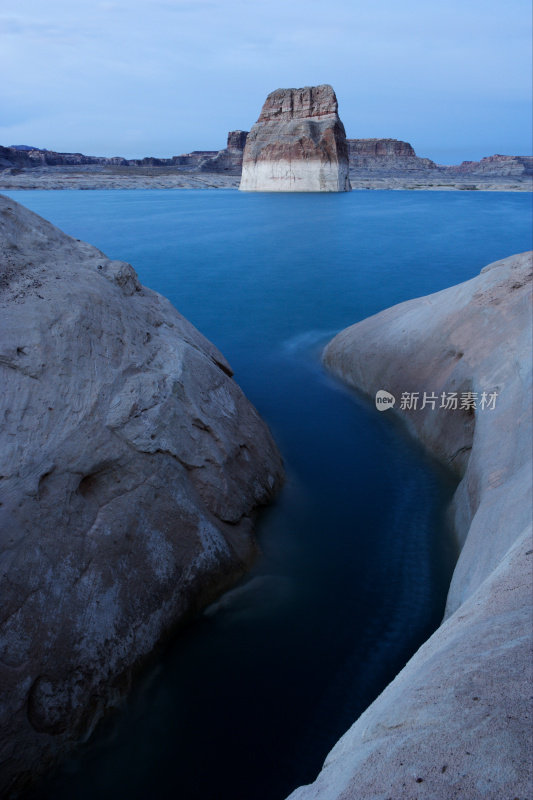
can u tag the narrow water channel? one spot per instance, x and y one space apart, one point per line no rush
356 558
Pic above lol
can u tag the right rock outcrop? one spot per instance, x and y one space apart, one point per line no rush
298 144
456 721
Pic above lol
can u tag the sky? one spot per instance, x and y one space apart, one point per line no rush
163 77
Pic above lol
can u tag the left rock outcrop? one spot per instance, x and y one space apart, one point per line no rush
131 466
298 144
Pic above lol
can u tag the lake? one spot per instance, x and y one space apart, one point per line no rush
356 557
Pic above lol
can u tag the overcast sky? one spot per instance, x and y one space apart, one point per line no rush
162 77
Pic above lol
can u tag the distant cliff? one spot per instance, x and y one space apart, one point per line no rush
385 154
228 159
295 132
495 165
16 157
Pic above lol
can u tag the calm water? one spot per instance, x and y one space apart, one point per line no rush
356 558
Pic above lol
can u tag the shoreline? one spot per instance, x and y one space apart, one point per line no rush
94 178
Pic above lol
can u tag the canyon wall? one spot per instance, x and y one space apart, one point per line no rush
385 155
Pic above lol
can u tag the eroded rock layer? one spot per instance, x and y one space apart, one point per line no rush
456 721
298 144
131 465
385 155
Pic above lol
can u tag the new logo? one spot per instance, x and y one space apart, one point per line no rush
384 400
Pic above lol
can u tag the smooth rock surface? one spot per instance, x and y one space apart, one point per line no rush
131 466
298 144
456 722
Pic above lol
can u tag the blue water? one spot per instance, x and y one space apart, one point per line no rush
356 557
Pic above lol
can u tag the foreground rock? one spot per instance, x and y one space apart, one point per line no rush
131 466
456 722
298 144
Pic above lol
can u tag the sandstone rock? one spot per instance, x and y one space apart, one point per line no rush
373 164
388 155
456 722
34 158
131 466
237 140
194 159
496 165
379 148
228 160
298 144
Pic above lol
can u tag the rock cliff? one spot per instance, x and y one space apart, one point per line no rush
298 144
28 158
131 467
456 722
495 165
228 160
373 164
389 155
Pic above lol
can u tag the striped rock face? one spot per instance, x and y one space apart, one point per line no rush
298 144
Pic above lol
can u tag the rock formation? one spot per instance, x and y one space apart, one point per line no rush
496 165
131 466
390 155
15 157
456 722
373 164
298 144
228 160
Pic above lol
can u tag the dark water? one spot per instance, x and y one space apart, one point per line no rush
356 559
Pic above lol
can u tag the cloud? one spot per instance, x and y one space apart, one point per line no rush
188 71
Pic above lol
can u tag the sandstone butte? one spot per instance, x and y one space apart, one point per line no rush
456 721
132 464
298 144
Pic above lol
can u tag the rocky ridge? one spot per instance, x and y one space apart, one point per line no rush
132 466
373 164
385 154
456 721
229 160
298 144
215 161
499 165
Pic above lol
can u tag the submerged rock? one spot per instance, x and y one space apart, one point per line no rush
298 144
131 466
456 721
